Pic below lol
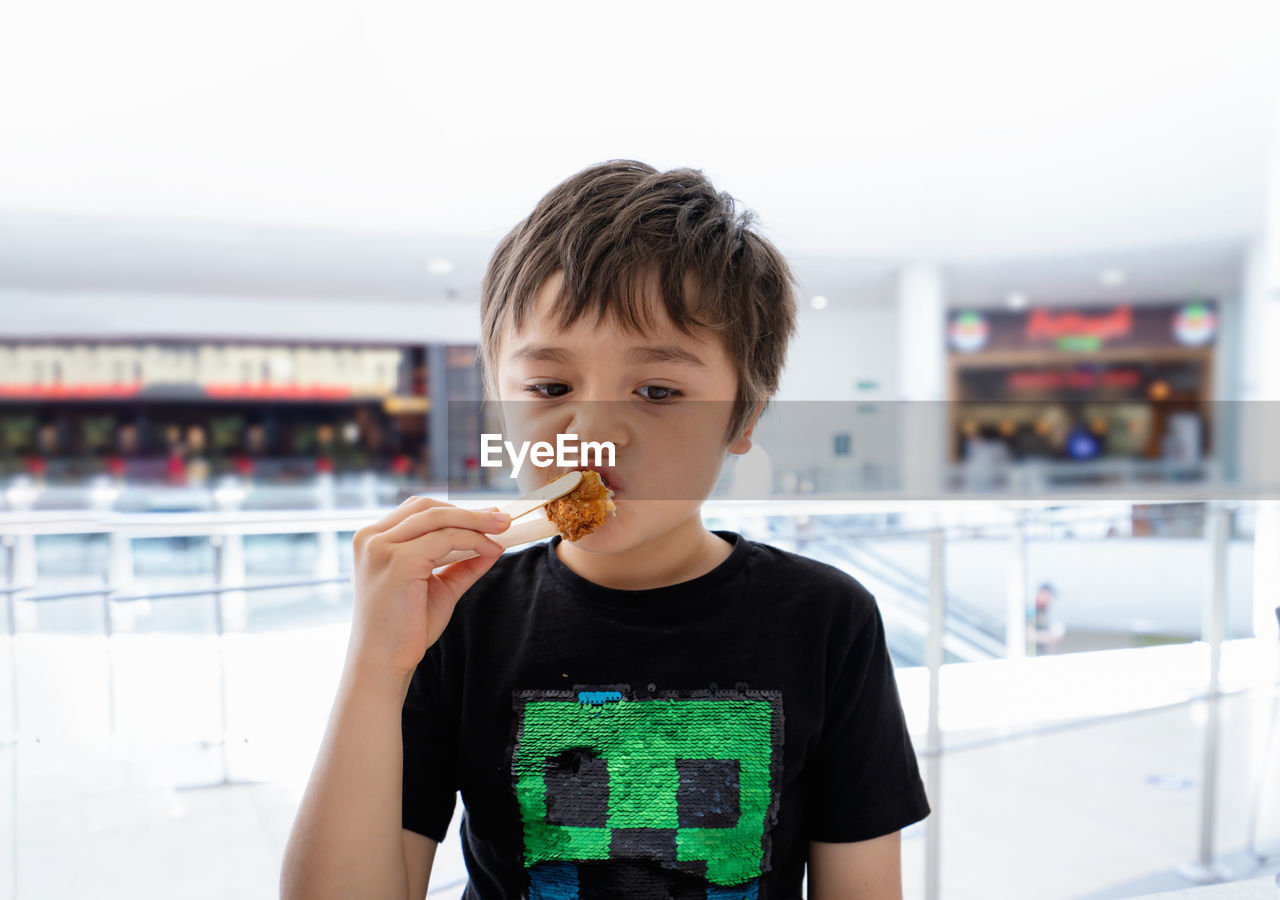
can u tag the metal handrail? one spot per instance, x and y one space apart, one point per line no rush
187 592
204 524
1087 721
958 747
969 529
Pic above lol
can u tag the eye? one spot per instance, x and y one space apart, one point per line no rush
665 394
548 389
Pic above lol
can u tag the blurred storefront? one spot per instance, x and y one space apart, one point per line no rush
1119 383
183 413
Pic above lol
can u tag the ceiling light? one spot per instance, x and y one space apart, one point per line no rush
440 266
818 302
1112 277
1017 300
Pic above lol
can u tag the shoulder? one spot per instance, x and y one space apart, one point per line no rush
493 610
514 568
818 585
516 563
500 595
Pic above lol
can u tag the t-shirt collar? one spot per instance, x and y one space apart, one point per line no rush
659 599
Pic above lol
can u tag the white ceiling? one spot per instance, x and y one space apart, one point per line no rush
330 147
112 255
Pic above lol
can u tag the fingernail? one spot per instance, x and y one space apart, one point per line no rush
500 517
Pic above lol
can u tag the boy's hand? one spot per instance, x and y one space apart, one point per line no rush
401 608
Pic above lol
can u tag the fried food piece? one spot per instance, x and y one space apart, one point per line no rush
582 510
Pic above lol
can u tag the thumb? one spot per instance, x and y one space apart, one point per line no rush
457 577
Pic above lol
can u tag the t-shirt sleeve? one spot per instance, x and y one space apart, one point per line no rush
865 781
428 726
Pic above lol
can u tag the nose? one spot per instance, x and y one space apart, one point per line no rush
601 421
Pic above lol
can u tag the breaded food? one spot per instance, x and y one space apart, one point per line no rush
582 510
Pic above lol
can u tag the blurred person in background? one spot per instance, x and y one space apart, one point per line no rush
1044 629
175 456
198 469
986 459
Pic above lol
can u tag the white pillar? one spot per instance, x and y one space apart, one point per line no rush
921 366
1272 222
1259 311
1259 380
922 312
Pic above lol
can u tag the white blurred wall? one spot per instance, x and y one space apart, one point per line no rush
43 314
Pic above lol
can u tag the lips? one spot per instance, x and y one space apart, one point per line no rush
608 475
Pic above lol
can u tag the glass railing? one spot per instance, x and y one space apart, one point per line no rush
176 655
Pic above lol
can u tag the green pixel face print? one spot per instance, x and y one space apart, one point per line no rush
688 784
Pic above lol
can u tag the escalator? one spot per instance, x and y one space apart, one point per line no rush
903 597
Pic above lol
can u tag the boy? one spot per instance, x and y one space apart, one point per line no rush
656 709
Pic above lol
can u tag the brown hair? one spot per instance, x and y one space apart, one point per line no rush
617 224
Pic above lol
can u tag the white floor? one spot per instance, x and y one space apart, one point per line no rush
136 808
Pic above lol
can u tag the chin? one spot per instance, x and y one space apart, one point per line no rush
628 528
635 523
604 539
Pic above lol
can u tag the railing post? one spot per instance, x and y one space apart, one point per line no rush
1204 869
7 542
1015 621
229 557
224 725
107 631
220 568
933 739
22 571
221 552
327 566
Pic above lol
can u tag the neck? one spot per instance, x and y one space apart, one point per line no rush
681 554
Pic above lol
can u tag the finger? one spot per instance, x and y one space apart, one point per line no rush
417 524
425 551
455 578
408 508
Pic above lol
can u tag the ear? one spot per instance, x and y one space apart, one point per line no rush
743 444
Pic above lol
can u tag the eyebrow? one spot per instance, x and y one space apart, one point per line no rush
669 353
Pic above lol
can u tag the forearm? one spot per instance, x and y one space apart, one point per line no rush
861 870
346 839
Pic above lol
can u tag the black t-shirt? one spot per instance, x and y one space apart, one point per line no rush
681 741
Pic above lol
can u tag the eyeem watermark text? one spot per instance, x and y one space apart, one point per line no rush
562 453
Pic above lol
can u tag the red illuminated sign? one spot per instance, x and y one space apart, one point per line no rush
1077 331
218 391
1074 380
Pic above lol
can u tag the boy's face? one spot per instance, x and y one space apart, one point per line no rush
663 398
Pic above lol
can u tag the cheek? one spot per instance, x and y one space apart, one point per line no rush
680 470
525 418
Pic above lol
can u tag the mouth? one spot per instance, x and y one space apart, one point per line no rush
584 509
607 475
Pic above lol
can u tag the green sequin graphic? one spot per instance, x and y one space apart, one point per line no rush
690 782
